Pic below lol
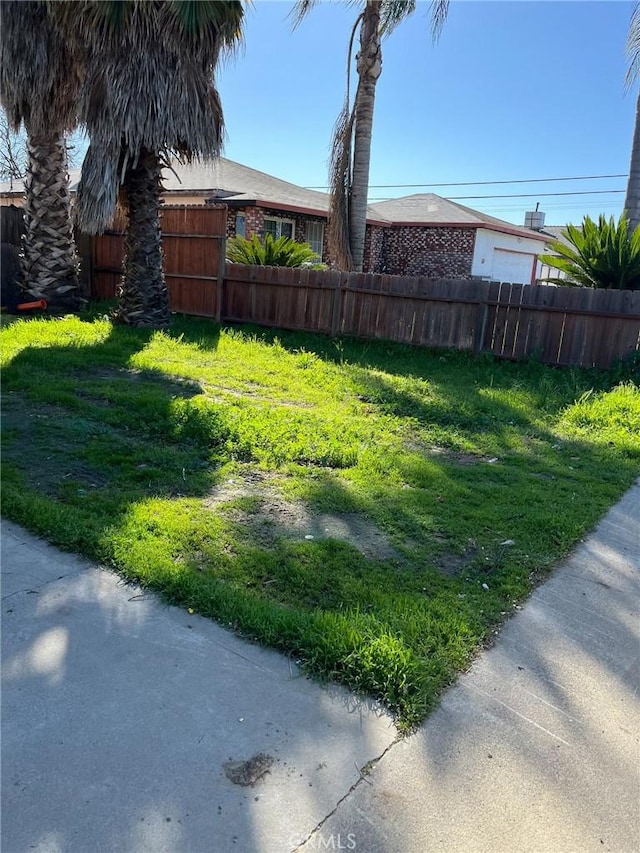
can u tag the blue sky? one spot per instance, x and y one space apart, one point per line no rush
512 90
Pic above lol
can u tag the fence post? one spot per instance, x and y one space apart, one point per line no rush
336 308
481 327
222 268
84 246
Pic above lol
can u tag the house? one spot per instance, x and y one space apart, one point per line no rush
12 192
431 236
417 235
554 232
257 203
421 234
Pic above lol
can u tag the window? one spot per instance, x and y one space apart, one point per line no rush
241 225
279 227
315 236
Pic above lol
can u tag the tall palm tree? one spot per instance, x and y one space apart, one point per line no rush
351 150
148 95
632 198
38 87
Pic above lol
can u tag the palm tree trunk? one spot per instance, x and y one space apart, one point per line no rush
369 65
144 300
632 200
49 260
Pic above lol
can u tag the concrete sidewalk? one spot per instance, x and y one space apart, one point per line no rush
119 714
536 749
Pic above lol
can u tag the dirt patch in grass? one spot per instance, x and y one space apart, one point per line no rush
176 385
268 516
452 565
446 455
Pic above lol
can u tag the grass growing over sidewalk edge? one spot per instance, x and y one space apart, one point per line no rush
374 510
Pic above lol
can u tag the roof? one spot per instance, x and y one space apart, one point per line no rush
232 182
556 232
16 187
428 209
238 185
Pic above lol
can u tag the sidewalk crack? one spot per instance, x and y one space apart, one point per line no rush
363 772
37 587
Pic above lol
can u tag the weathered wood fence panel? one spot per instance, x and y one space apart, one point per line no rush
193 241
557 325
278 296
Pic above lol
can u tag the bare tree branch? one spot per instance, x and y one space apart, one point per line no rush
13 152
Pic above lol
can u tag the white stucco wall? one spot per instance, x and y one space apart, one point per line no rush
491 265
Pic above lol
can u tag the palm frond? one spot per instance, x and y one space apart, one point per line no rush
600 254
98 190
281 252
438 11
208 27
299 11
39 74
394 12
633 48
338 236
340 162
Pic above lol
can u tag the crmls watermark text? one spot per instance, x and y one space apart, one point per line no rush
335 841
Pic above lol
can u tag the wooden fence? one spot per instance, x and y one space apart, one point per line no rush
557 325
193 241
11 224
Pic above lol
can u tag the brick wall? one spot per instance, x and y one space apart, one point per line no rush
373 249
399 250
253 220
415 250
254 223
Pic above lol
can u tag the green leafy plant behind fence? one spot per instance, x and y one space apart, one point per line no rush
283 252
602 254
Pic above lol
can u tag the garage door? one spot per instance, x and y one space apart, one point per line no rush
514 267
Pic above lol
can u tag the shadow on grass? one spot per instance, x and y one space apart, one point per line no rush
114 463
84 430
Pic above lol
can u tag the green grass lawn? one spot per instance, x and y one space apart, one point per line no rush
372 509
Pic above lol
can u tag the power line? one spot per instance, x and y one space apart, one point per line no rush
482 183
539 195
550 208
515 195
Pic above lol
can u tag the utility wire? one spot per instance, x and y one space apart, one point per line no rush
482 183
540 195
513 195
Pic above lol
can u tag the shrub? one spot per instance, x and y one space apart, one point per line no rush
601 254
282 252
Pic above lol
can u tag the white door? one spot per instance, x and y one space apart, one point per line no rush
512 267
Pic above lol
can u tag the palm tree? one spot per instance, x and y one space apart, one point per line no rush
632 198
148 95
38 87
351 151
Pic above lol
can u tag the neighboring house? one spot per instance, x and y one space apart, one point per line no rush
416 235
12 192
554 232
257 203
432 236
